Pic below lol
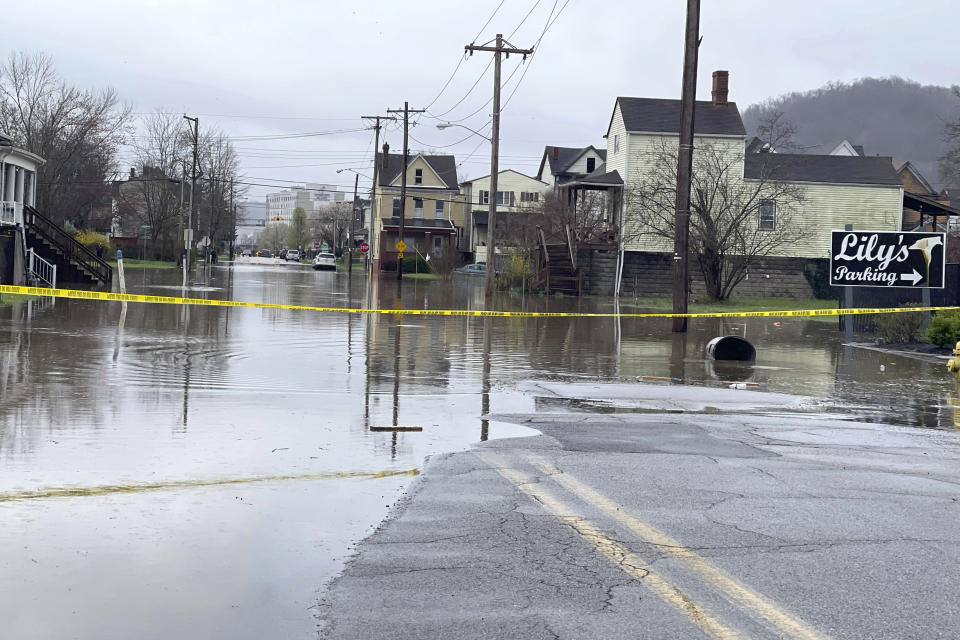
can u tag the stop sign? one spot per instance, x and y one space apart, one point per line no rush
364 247
316 245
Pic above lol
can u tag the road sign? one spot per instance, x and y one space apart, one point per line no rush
910 259
325 247
401 246
316 245
364 247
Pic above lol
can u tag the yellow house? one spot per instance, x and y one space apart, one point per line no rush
516 192
433 213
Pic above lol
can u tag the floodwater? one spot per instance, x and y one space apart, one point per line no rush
175 472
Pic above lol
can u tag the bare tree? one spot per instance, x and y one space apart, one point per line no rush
777 132
78 132
332 224
728 234
154 198
221 167
950 160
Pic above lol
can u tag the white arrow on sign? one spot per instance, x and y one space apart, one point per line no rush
914 277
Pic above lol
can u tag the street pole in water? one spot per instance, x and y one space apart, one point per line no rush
685 165
494 155
406 111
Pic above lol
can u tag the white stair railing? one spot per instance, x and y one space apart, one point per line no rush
40 270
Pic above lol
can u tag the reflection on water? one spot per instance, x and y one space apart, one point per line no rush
109 395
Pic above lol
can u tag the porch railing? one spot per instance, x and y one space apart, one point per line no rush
11 212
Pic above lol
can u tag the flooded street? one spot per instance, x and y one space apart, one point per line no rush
193 472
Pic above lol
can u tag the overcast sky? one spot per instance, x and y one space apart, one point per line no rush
282 67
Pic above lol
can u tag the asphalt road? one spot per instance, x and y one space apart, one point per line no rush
668 512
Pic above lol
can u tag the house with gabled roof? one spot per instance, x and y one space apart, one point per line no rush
847 188
433 211
562 164
517 193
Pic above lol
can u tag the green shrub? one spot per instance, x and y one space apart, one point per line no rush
817 273
944 329
899 327
416 264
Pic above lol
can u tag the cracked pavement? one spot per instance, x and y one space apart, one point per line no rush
851 528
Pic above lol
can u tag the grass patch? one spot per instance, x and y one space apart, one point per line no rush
131 263
7 299
664 303
421 276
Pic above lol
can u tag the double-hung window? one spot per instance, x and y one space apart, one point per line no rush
438 209
767 215
418 176
396 207
505 198
484 197
418 207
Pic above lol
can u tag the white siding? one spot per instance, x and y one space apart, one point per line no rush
617 161
828 207
580 166
508 181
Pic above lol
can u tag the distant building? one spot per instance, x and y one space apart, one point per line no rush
312 197
251 214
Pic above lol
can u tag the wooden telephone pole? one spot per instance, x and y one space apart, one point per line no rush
501 47
685 166
406 111
373 193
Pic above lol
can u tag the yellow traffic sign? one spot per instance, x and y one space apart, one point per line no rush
400 256
401 246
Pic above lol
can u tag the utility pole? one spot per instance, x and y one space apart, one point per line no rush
373 191
685 165
494 155
188 245
353 219
403 180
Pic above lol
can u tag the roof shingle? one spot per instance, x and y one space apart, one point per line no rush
794 167
659 115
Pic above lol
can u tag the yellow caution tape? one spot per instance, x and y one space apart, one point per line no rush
137 297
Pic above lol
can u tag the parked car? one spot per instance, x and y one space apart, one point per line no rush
293 254
325 261
247 253
478 269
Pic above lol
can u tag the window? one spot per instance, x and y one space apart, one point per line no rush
591 165
418 207
396 207
505 198
418 176
616 143
438 210
484 197
529 196
438 245
767 216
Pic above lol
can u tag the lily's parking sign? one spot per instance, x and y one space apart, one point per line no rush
912 259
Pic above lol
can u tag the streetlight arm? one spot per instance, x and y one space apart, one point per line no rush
445 125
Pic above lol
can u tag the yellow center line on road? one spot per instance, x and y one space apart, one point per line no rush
741 595
105 489
619 555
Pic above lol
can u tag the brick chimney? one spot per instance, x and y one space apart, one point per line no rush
386 155
721 80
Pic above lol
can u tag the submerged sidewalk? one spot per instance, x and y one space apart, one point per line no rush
685 512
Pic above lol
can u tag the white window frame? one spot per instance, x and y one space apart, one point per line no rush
767 222
418 210
484 197
439 209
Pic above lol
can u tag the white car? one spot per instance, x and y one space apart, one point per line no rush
293 254
325 261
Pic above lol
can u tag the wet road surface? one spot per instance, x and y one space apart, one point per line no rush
202 472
